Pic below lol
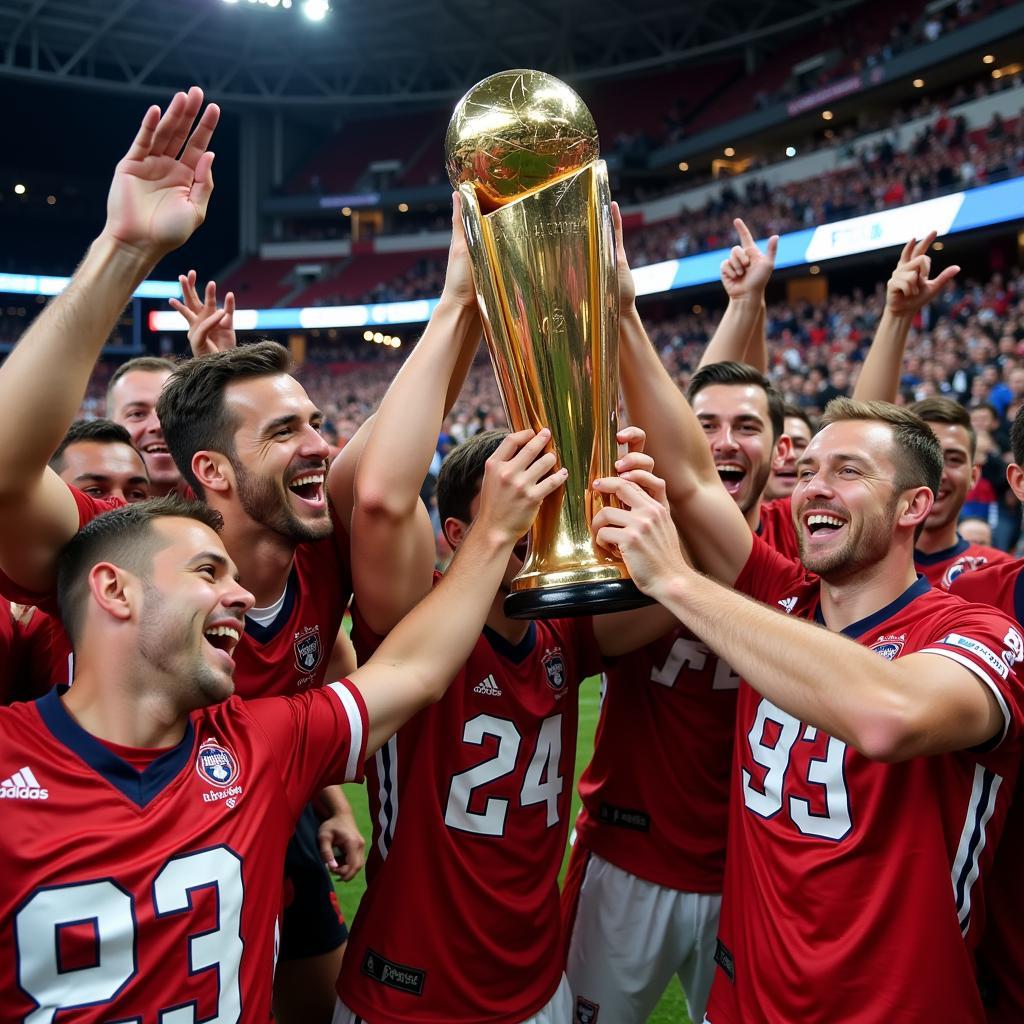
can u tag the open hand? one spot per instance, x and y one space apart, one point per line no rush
162 186
209 329
458 278
627 286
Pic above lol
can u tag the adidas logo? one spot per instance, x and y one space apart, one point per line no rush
488 687
23 785
788 604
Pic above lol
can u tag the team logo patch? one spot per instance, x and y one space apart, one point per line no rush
966 564
217 765
888 650
308 649
586 1011
554 668
398 976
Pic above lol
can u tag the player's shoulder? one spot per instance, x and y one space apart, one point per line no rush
90 507
995 583
939 610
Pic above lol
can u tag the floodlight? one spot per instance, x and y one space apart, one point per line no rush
316 10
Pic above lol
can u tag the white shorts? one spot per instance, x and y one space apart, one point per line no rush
557 1011
629 937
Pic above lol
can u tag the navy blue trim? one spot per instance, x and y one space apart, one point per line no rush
139 787
972 848
855 630
1018 597
516 653
264 634
941 556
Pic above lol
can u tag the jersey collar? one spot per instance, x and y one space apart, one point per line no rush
515 653
941 556
264 634
139 787
857 629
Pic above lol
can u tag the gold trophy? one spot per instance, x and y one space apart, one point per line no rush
522 151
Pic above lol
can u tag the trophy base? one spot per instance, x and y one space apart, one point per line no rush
575 599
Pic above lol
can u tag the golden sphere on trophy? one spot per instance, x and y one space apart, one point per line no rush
516 132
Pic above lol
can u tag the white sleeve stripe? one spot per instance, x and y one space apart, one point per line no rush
355 725
982 675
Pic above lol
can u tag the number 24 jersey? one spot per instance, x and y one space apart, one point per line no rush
853 887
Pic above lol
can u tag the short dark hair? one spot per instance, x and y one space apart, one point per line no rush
740 374
124 536
144 364
938 409
792 411
1017 437
919 461
458 483
102 431
192 412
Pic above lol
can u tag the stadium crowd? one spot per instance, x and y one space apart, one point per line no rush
820 648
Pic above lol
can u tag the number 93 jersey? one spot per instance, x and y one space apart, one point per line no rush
853 887
152 897
470 803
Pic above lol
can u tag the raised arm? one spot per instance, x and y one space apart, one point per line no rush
909 290
917 705
157 199
420 657
392 537
710 522
745 274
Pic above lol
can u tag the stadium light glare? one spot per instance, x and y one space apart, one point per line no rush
814 270
989 58
729 151
346 211
367 335
19 189
997 73
790 151
51 200
316 10
938 246
918 83
826 115
684 166
403 207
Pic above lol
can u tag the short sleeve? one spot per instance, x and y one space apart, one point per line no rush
990 645
769 575
317 738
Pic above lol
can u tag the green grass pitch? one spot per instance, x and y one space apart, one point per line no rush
672 1008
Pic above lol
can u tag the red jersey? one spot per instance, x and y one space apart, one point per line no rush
852 886
662 815
470 802
776 527
12 647
147 896
942 567
1001 954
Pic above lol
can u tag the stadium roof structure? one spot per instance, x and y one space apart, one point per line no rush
400 53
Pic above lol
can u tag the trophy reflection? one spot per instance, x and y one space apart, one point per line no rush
522 151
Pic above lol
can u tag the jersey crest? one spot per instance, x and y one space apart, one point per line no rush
889 647
554 668
969 563
217 765
308 649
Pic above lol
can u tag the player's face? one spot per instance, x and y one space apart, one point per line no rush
783 478
736 423
958 474
106 469
280 459
133 405
193 613
844 503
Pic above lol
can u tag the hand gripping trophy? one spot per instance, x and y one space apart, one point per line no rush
522 151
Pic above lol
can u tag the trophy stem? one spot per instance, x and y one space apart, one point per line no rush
575 599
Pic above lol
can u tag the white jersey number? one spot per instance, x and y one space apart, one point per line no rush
689 653
542 783
111 912
768 798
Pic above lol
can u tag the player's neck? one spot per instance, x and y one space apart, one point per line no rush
264 557
114 710
512 630
941 539
845 601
